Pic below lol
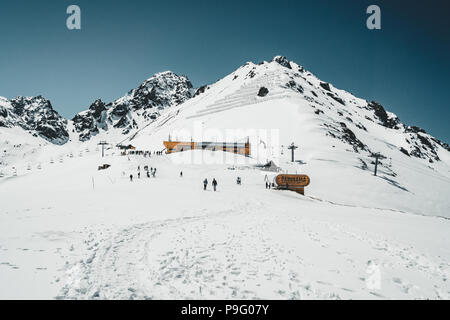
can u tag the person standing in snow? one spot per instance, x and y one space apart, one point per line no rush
131 177
139 174
205 183
214 183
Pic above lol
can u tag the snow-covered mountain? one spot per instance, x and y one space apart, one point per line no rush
338 136
71 231
140 105
357 123
344 116
325 122
35 115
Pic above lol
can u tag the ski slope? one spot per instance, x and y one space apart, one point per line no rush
89 234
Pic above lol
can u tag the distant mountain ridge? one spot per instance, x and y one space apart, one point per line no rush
163 90
35 115
166 89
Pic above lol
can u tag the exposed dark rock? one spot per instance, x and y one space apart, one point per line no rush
361 126
201 90
349 137
335 97
160 91
404 151
37 115
383 117
414 129
263 91
325 85
295 86
122 123
97 108
282 61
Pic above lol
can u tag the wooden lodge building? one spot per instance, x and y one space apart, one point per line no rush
234 147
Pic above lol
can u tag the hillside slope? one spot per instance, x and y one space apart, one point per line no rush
337 133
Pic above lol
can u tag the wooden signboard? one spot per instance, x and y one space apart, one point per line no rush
294 182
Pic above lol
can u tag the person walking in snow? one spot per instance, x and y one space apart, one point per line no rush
214 183
205 183
131 177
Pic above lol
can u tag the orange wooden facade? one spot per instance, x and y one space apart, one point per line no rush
234 147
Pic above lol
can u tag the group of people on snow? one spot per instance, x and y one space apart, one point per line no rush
142 153
214 184
151 172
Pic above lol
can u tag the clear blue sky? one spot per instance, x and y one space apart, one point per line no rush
405 66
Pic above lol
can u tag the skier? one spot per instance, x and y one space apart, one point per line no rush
131 177
214 183
205 183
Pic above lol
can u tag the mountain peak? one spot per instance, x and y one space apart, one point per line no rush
283 61
163 74
36 115
140 105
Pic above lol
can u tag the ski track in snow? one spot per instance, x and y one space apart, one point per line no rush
210 257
